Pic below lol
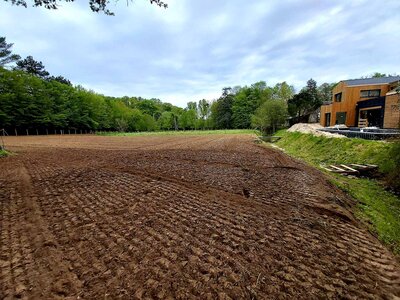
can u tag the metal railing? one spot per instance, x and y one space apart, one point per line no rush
368 134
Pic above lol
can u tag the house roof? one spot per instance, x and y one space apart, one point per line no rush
369 81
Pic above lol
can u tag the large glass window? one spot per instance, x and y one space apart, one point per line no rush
370 93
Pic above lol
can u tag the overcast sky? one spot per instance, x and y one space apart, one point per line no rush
195 48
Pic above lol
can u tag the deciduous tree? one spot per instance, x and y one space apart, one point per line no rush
270 115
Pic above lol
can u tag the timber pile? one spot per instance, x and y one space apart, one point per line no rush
350 169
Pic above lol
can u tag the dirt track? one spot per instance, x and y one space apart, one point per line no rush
178 217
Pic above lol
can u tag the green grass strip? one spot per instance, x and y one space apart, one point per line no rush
376 206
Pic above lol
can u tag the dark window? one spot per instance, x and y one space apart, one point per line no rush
340 118
370 93
338 97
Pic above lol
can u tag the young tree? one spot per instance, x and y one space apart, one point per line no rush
270 115
31 66
204 108
6 56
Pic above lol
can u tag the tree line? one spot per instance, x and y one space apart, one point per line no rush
31 98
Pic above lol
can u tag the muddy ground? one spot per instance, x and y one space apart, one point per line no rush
195 217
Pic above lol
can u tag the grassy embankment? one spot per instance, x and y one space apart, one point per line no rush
179 132
376 206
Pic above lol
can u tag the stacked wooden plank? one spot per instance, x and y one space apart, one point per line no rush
350 169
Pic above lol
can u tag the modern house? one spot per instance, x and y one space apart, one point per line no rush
364 103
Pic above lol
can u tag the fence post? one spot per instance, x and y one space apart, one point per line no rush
37 132
15 130
27 132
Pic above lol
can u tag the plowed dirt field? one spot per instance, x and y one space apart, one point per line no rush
175 217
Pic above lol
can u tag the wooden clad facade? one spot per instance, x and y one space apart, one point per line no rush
358 105
392 111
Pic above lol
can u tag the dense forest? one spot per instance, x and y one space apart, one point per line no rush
32 99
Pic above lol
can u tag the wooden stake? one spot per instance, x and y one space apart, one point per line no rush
348 168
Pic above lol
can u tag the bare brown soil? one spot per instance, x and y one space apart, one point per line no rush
196 217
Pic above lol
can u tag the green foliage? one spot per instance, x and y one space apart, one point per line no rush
166 120
375 205
270 116
221 110
283 91
150 107
31 66
188 119
325 91
179 133
60 79
6 55
245 103
4 153
28 101
204 109
309 98
236 107
121 124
